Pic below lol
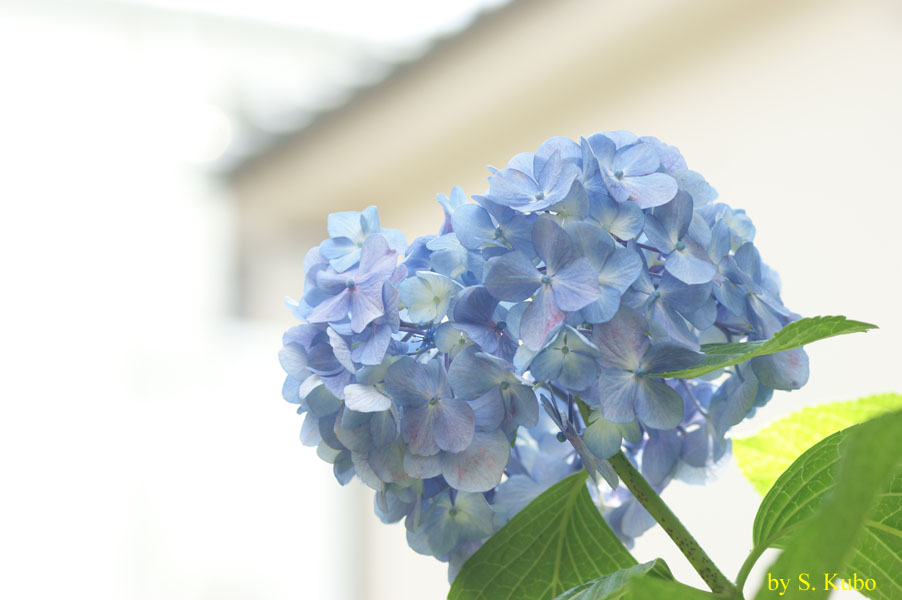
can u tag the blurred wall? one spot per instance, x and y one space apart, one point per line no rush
790 109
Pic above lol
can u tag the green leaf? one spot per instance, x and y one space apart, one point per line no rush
557 542
648 588
796 334
764 456
612 586
838 508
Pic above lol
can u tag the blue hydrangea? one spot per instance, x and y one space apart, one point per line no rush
448 374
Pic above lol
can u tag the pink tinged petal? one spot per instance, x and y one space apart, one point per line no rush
422 467
454 424
480 467
540 318
331 309
575 286
787 370
622 341
418 430
376 255
364 309
650 190
658 405
365 398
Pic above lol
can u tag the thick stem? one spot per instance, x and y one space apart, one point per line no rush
690 548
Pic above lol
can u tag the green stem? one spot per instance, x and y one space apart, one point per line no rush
690 548
746 567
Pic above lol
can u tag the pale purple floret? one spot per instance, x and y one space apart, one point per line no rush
358 291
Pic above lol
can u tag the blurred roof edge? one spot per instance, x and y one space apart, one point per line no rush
484 20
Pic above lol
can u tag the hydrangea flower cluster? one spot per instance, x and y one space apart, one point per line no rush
461 375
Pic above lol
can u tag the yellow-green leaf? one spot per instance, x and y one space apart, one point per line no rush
764 456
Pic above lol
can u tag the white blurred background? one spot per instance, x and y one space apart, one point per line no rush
165 165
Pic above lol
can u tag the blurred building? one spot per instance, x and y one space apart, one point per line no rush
168 164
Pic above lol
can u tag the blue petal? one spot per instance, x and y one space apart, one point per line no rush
555 179
345 224
665 357
650 190
454 424
658 405
473 227
623 220
511 277
473 314
366 306
603 148
293 359
547 364
691 264
384 427
471 376
659 457
618 394
620 270
418 429
696 186
365 398
786 370
388 462
334 308
342 253
658 235
522 407
540 319
408 382
578 371
290 391
622 341
422 467
369 220
621 137
552 244
682 297
480 467
671 159
513 188
371 345
575 285
489 410
636 160
602 436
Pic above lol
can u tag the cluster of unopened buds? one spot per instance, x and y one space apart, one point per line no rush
462 374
